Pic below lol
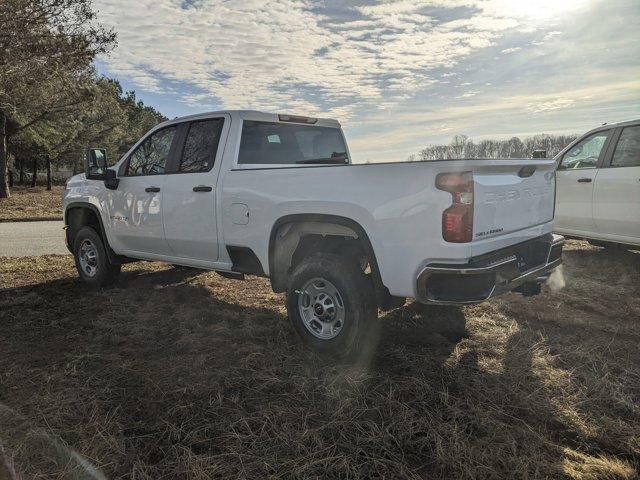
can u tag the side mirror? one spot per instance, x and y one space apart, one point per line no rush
95 165
111 181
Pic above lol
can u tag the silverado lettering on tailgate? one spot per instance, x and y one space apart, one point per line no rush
511 195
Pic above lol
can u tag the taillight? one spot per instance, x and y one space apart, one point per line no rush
457 220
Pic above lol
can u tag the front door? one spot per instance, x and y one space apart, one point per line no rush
616 201
189 194
574 184
135 207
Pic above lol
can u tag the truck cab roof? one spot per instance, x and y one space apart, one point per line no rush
256 115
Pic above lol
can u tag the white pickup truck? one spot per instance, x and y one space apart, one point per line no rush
245 192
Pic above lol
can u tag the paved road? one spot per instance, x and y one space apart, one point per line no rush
22 239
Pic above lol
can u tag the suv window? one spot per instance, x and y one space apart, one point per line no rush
150 158
287 144
585 153
201 145
627 152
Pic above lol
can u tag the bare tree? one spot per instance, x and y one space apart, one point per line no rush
462 146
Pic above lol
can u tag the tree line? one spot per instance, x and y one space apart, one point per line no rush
462 146
53 103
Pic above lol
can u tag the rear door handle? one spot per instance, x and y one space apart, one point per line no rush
202 188
152 189
584 180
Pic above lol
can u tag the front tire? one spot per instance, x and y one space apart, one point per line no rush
91 259
330 302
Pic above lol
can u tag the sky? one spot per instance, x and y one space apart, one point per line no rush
398 75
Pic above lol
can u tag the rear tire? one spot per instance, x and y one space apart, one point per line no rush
331 303
91 259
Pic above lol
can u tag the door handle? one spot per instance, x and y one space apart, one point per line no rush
202 188
152 189
584 180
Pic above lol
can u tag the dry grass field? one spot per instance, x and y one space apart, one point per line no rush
30 203
173 373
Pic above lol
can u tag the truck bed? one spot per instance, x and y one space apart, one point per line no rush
397 202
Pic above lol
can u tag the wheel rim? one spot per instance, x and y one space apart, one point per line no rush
88 258
321 308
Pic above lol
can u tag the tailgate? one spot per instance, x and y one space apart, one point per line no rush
511 195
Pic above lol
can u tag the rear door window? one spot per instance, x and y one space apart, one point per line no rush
627 153
271 143
201 145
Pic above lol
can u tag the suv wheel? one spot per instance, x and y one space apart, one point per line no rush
91 259
329 302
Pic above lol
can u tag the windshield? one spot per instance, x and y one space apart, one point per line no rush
271 143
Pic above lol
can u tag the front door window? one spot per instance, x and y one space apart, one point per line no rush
150 158
585 154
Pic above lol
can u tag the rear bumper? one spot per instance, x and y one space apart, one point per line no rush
483 277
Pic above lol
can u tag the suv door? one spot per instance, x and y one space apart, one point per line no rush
189 201
574 184
135 207
616 200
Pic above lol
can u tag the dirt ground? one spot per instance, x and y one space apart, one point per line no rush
32 203
174 373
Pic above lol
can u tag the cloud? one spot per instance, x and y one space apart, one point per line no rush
510 50
289 54
556 104
392 7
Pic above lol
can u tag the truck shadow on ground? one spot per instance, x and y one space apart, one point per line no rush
149 310
412 326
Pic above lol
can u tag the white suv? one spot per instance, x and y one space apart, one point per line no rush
598 186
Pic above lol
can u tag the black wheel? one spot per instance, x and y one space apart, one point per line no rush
91 259
330 301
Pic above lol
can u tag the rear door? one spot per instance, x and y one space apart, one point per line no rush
616 200
189 196
575 181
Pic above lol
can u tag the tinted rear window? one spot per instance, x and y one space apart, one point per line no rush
270 143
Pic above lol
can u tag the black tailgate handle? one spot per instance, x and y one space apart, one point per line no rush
584 180
526 171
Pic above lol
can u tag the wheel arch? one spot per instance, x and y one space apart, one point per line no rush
80 214
280 256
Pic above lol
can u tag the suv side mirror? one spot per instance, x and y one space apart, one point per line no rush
95 165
